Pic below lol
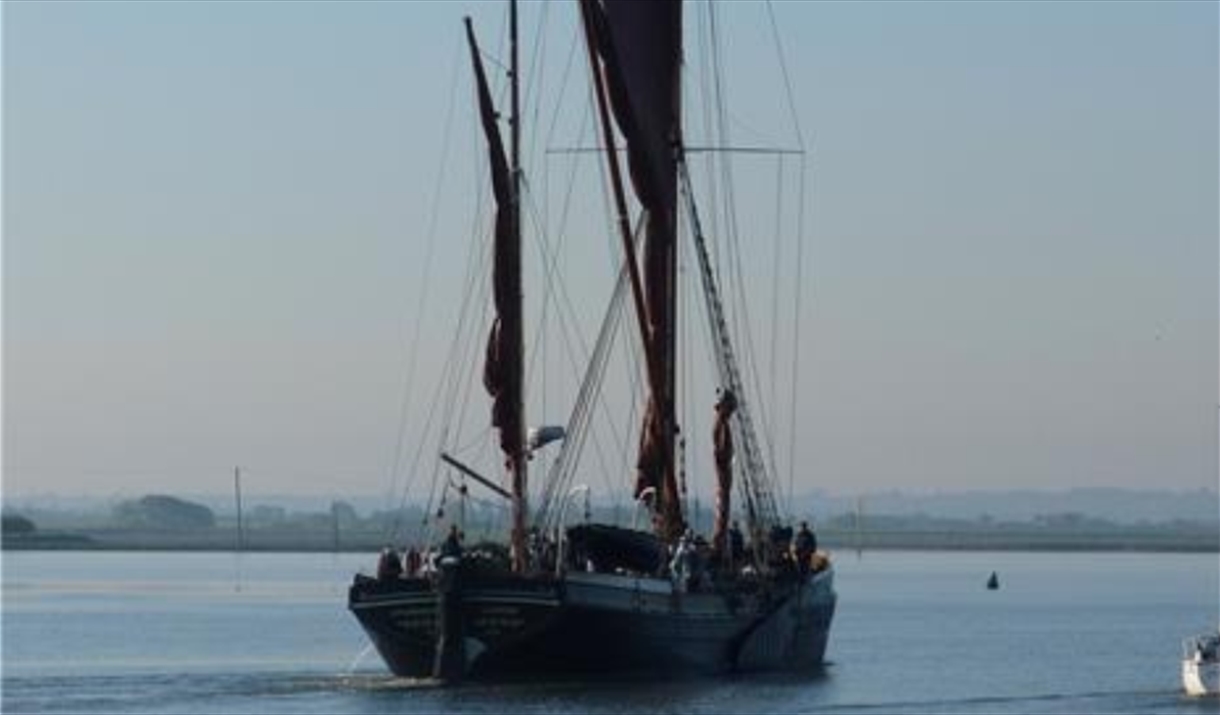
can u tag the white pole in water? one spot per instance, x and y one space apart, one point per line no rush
241 540
334 525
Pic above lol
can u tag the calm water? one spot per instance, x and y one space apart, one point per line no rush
915 632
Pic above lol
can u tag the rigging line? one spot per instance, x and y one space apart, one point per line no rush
563 88
474 267
443 386
637 347
689 440
636 390
741 320
428 425
797 318
535 159
479 440
477 285
476 262
588 393
568 324
783 67
425 274
546 194
728 201
578 421
756 478
717 120
535 89
538 350
800 240
721 367
475 352
583 413
741 326
613 238
564 466
554 278
634 375
777 250
488 57
587 400
551 257
708 95
745 338
569 327
466 345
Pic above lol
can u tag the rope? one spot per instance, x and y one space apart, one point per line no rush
425 281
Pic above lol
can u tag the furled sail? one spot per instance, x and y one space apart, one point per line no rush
502 373
722 441
640 45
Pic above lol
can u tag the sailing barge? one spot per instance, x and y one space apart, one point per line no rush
599 598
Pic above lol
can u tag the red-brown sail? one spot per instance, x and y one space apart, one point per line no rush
640 44
502 373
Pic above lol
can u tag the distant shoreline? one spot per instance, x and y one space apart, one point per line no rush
312 542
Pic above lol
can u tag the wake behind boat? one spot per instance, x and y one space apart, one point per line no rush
602 597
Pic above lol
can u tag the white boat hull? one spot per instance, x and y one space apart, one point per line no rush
1200 678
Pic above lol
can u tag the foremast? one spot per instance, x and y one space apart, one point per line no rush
504 368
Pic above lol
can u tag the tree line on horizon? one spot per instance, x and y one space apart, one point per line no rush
483 520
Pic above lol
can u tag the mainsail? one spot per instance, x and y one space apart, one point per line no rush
640 46
502 373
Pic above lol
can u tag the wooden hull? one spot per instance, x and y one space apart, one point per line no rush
600 623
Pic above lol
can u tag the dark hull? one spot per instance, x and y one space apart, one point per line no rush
600 623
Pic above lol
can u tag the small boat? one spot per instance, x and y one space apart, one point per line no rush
993 583
1201 664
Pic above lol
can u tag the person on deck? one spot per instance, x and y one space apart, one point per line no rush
412 561
681 565
453 544
804 545
388 565
737 543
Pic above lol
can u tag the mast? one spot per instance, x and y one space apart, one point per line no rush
640 48
514 121
504 368
518 460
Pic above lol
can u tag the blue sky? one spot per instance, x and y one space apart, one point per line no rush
215 217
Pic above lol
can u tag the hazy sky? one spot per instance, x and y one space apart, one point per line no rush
215 219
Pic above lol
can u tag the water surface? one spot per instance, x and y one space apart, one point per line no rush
916 632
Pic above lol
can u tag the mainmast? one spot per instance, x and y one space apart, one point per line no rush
636 68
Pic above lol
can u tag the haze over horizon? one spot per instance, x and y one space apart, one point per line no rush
214 216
